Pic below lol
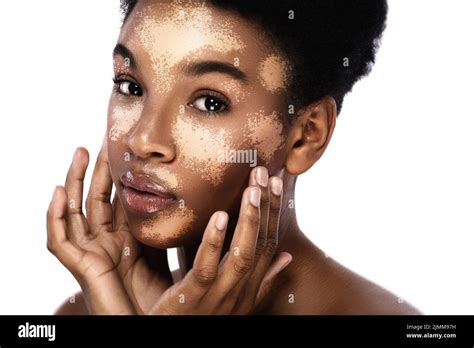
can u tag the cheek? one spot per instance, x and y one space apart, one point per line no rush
266 134
122 119
199 148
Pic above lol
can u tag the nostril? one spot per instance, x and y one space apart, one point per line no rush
298 143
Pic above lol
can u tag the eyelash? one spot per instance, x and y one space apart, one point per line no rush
219 97
206 93
119 81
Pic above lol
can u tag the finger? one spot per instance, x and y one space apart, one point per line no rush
279 264
119 219
259 177
58 243
276 194
268 251
99 208
242 249
74 188
251 283
206 263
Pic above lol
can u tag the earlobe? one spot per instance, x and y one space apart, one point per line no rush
310 135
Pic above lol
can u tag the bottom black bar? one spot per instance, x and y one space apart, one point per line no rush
451 331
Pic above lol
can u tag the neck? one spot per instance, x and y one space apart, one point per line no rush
291 238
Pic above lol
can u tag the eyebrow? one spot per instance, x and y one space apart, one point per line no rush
121 50
207 67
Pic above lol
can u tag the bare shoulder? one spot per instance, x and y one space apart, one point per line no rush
74 305
358 295
321 285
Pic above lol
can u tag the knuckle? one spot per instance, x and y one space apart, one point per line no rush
215 246
274 213
242 263
205 275
51 245
101 196
271 243
75 210
260 248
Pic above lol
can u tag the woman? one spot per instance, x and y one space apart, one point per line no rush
217 107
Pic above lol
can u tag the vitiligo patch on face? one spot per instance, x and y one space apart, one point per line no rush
187 28
234 88
163 175
167 225
123 118
265 132
273 73
199 147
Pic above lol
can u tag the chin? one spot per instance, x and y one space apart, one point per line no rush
158 241
164 234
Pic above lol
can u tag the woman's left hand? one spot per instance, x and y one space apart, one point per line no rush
238 283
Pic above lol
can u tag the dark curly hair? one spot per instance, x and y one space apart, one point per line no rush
330 44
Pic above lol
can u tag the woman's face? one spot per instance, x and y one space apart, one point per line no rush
198 101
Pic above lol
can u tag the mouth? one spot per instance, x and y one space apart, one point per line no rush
144 195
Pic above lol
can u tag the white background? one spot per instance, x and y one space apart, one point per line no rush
393 197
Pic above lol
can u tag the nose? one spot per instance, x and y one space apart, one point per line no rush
151 136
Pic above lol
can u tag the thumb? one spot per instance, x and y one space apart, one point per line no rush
279 264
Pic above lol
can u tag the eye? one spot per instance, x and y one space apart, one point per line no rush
128 88
209 103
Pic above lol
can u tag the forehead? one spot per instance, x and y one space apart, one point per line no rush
168 34
176 29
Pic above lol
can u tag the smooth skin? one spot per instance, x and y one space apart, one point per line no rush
103 256
317 284
93 247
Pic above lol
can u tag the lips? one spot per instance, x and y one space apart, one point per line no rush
144 195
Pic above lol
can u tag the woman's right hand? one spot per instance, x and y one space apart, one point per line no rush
99 250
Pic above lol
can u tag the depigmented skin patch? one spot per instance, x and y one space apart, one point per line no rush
187 29
164 174
273 73
166 226
199 147
123 119
182 147
265 131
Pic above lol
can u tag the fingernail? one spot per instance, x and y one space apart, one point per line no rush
221 221
255 197
276 186
262 176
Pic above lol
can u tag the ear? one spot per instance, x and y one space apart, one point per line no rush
310 135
